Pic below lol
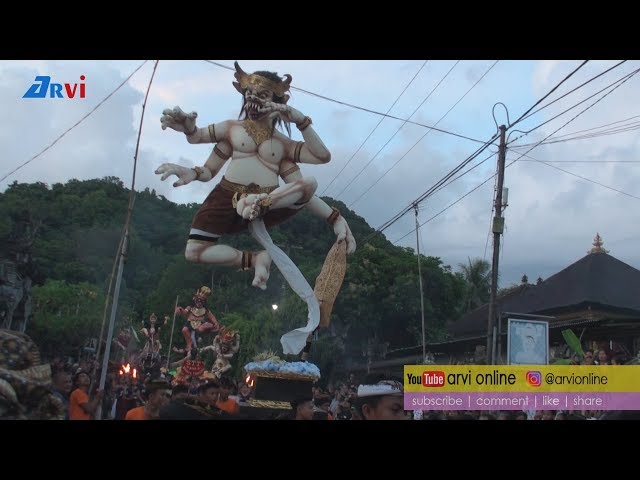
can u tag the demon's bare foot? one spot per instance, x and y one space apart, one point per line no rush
262 266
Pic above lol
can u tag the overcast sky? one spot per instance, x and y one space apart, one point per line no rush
552 215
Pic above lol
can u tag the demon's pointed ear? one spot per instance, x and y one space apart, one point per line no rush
238 87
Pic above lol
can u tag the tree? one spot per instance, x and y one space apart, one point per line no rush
477 275
80 224
66 315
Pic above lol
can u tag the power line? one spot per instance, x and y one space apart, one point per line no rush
579 103
374 128
571 91
583 161
549 93
447 207
339 102
514 161
75 124
611 131
548 164
436 187
420 139
620 81
398 130
439 184
442 187
458 177
580 113
600 126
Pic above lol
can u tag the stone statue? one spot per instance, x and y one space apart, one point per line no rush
18 272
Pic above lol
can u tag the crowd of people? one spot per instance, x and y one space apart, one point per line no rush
377 396
126 398
131 395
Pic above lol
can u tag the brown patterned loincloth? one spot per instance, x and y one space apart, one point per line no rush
217 215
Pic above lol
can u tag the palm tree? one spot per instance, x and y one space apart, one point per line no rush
477 275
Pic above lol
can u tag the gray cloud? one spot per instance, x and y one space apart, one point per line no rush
552 216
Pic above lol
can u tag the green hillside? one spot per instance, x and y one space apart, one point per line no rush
77 227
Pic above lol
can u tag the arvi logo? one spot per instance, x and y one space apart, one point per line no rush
42 85
433 378
534 378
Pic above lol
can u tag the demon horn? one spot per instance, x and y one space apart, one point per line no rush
240 74
286 83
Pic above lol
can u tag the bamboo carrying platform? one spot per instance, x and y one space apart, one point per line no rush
279 389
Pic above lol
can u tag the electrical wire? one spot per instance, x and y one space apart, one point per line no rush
435 188
75 124
611 131
374 129
549 93
548 164
575 89
620 81
397 131
420 139
368 110
514 161
446 208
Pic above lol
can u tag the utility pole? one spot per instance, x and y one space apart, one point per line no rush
498 229
424 345
112 321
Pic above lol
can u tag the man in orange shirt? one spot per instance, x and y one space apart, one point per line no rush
80 408
158 395
225 403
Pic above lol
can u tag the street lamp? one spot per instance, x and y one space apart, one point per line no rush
274 306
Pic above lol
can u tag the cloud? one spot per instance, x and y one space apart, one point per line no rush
552 216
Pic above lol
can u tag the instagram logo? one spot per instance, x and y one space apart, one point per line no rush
534 378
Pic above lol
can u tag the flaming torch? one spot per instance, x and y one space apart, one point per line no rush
126 369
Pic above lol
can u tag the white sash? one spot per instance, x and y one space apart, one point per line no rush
294 341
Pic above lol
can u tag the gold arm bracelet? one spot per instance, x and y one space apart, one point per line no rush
296 153
289 171
304 124
212 133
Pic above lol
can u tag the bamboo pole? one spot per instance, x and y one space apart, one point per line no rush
173 324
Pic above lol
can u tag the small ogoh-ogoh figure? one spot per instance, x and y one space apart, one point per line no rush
249 189
191 370
150 359
199 321
225 345
121 342
151 331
